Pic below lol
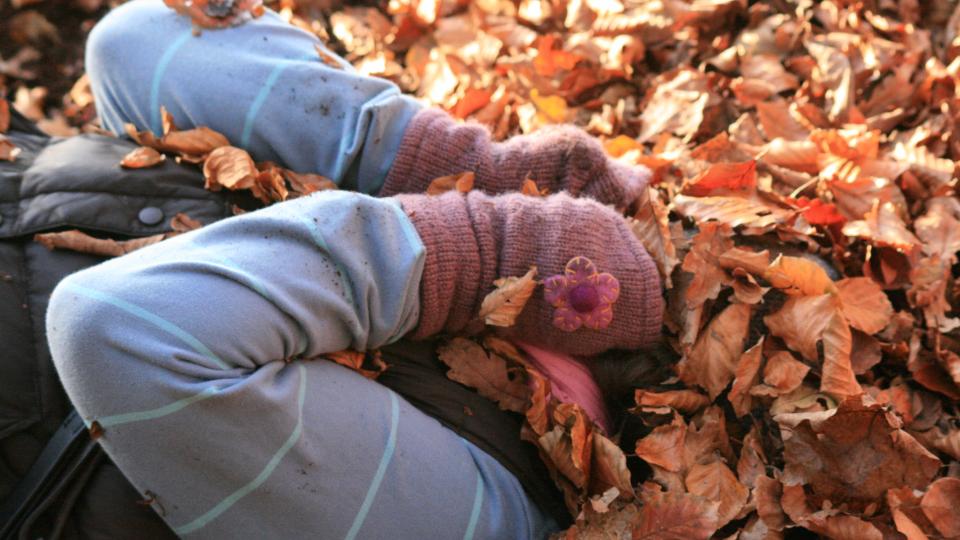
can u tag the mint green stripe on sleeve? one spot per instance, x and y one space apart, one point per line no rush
156 124
381 470
475 512
149 317
159 412
275 460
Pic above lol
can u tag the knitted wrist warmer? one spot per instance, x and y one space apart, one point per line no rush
559 158
473 239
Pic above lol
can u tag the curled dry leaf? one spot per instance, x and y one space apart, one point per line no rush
746 377
855 455
462 182
503 305
881 226
652 228
4 115
84 243
229 167
472 366
784 372
8 150
715 481
864 304
940 504
685 401
664 445
141 158
798 276
711 362
369 363
703 262
674 515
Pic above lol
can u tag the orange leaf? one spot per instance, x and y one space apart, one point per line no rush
685 401
711 362
652 228
703 262
470 365
940 505
664 445
801 322
784 372
472 101
716 482
142 157
746 377
84 243
4 115
462 182
799 276
668 516
503 305
864 304
229 167
723 176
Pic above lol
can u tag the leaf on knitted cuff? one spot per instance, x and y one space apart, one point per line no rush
462 182
502 306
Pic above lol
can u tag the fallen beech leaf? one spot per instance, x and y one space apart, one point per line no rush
503 305
229 167
462 182
733 211
198 141
685 401
307 183
837 377
856 454
355 360
142 157
801 322
470 365
8 150
664 445
569 444
864 304
723 176
651 226
752 462
608 469
752 261
746 377
703 262
182 223
82 242
530 188
778 123
715 482
798 276
669 516
940 505
711 362
767 496
784 372
4 115
882 226
550 109
907 514
536 414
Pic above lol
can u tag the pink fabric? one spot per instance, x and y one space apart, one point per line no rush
473 239
559 158
570 382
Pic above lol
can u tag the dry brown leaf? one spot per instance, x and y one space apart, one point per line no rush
651 226
732 211
855 455
685 401
142 157
864 304
940 505
307 183
716 482
8 150
503 305
798 276
229 167
75 240
489 374
355 360
746 377
723 177
882 226
703 262
712 361
752 462
676 516
837 377
784 372
462 182
198 141
664 445
801 322
609 468
4 115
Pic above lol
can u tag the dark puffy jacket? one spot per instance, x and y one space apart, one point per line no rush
77 183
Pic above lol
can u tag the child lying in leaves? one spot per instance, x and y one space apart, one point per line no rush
188 353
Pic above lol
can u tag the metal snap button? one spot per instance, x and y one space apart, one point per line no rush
150 215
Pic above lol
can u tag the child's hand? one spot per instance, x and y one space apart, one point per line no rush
557 158
217 13
600 288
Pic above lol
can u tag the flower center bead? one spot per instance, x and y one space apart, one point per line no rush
584 298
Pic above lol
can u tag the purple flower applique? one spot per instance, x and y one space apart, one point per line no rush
581 296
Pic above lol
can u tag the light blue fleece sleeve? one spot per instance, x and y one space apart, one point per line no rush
262 84
193 358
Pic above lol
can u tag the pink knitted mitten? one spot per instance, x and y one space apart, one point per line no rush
559 158
473 239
